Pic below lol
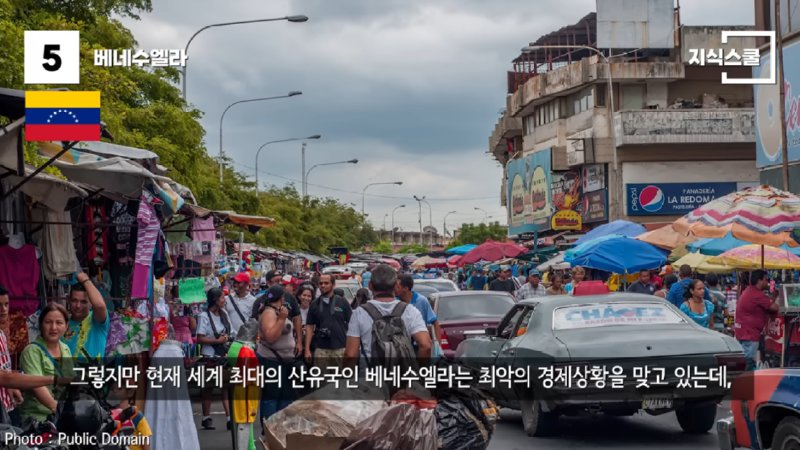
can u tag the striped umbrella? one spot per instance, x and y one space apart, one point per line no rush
759 215
749 257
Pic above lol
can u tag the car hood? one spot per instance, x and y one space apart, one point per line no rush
642 341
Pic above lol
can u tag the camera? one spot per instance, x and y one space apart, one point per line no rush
323 333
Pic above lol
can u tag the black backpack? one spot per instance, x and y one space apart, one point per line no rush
391 344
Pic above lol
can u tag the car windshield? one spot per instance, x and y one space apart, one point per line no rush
440 285
613 314
460 307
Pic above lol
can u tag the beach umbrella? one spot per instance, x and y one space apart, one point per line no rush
428 262
699 263
714 247
491 251
616 254
556 263
757 215
666 237
617 227
754 256
391 262
460 250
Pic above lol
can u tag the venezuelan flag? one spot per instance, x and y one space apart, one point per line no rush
62 116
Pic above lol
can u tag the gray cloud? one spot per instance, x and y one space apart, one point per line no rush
410 87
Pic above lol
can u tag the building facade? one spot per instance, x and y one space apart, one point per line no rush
676 139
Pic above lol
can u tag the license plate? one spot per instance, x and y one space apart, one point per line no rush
654 403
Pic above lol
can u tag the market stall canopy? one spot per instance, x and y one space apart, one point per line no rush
391 262
699 263
146 158
759 215
252 223
617 227
666 237
715 247
429 262
47 189
116 174
492 251
555 263
460 250
750 257
616 254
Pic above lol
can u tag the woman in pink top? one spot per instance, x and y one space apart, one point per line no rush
184 327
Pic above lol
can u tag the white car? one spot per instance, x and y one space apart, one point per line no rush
357 267
441 284
336 270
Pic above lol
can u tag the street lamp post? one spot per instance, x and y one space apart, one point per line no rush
222 117
611 108
444 224
485 214
384 221
294 19
364 191
349 161
395 209
419 203
258 152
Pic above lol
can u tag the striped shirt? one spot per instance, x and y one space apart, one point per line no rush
5 364
528 291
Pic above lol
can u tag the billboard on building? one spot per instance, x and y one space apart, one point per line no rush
672 199
766 98
635 24
528 194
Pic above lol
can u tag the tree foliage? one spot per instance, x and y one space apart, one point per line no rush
143 108
384 247
478 234
414 248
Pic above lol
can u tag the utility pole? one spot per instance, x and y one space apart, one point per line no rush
303 168
419 203
782 90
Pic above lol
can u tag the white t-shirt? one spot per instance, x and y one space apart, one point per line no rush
245 305
304 314
361 323
204 328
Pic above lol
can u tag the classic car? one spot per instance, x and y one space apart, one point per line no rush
606 338
463 314
767 416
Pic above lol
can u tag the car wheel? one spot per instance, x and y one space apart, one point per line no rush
537 422
697 419
787 435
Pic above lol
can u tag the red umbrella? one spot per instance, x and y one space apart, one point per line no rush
491 251
392 262
453 260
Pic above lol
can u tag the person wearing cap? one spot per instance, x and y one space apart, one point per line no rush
240 302
503 282
273 278
326 325
276 278
643 285
533 288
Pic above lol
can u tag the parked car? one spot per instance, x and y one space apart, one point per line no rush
464 314
770 418
425 290
441 284
568 334
350 287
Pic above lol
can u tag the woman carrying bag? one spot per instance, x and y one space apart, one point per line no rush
213 332
276 351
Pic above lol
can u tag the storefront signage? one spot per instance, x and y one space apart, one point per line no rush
594 177
528 193
766 99
595 206
566 219
672 199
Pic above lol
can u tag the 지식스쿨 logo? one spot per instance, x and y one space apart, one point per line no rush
651 198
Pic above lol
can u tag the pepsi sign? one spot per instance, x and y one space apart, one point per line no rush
672 199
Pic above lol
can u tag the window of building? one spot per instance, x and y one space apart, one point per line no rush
530 124
601 96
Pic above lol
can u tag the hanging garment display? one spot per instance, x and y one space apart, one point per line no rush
203 229
56 242
149 229
18 331
137 338
179 231
96 237
122 236
19 275
116 333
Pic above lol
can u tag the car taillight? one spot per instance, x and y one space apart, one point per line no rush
443 341
733 362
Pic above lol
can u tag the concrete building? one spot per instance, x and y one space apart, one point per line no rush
679 137
769 158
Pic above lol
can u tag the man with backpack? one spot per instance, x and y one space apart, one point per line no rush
239 304
326 325
381 330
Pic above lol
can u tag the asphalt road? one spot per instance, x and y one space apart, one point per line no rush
639 432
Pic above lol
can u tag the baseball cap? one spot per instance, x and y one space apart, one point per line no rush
505 267
534 272
287 279
242 277
274 293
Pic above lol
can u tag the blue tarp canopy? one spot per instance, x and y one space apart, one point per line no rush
718 246
460 250
616 254
617 227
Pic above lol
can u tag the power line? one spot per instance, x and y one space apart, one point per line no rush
395 197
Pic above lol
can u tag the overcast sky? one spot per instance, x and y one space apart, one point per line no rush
411 88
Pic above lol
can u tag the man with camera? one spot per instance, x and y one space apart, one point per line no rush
326 326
